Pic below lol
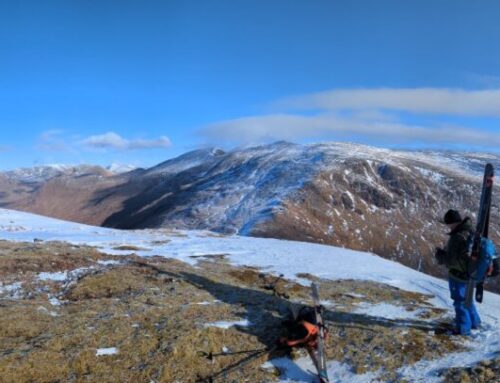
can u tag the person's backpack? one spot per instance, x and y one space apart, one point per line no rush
302 331
307 314
487 263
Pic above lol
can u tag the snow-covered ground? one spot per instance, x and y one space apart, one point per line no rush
280 257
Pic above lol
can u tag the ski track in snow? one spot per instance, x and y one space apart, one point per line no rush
280 257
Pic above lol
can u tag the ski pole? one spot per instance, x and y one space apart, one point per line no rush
236 365
211 355
272 285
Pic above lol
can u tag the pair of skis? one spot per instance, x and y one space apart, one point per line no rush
318 355
483 220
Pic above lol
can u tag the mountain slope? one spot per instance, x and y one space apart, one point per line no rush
66 192
363 198
384 201
122 317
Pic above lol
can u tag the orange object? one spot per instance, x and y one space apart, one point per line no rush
309 340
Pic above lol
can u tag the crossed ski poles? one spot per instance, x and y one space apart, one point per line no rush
210 356
316 353
253 354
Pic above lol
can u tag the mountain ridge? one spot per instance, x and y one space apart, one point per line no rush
372 199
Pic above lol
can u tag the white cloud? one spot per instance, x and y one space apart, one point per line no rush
294 128
53 141
57 141
372 115
112 140
265 128
161 142
107 140
442 101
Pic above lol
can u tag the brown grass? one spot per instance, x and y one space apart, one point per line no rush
157 312
484 371
46 256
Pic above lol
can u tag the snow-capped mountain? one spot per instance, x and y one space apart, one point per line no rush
385 201
57 190
116 168
185 161
44 173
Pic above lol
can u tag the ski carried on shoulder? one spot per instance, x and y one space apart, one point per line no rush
318 355
477 264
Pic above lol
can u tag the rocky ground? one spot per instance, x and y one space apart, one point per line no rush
136 319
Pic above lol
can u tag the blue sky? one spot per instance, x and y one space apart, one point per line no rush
142 81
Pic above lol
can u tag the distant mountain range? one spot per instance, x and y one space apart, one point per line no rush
385 201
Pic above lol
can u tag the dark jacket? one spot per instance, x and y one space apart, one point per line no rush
457 254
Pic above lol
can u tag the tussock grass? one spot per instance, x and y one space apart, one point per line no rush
159 313
483 372
30 258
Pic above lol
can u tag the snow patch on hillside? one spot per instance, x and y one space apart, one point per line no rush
387 311
301 370
106 351
13 290
228 324
117 168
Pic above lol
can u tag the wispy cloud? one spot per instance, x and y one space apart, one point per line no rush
295 128
57 140
5 148
104 141
161 142
442 101
379 116
112 140
53 141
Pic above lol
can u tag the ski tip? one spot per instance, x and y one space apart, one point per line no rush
490 169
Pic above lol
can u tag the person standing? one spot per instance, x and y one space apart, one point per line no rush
455 256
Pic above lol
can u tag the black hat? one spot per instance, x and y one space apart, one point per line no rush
452 216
